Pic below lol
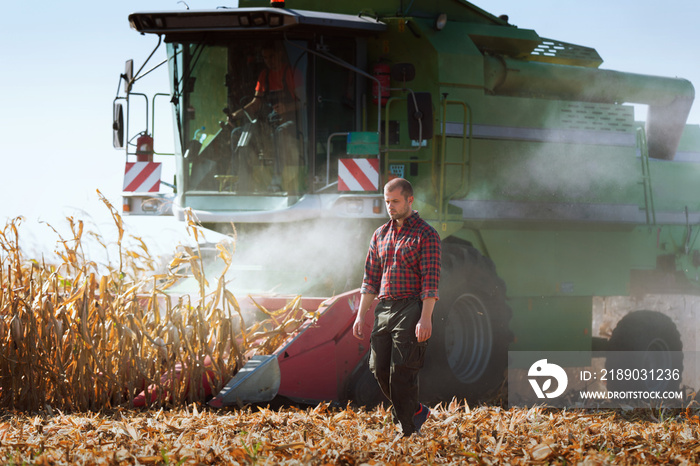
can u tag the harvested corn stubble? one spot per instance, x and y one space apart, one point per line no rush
454 434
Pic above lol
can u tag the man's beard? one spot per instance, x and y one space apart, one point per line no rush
400 215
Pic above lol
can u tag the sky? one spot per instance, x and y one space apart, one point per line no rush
62 61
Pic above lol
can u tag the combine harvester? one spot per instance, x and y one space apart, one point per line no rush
552 202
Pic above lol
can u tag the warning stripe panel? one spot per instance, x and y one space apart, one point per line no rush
358 174
142 177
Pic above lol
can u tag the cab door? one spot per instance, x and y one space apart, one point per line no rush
337 103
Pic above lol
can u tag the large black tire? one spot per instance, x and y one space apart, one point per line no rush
467 355
363 389
656 338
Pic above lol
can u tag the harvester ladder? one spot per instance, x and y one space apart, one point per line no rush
646 177
438 157
386 144
441 184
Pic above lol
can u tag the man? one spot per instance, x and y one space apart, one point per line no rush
277 88
402 269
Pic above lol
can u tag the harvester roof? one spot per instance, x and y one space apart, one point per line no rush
250 20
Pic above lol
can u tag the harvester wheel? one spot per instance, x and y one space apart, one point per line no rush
656 338
467 355
363 388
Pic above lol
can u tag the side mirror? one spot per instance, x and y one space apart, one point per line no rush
129 70
118 125
420 116
128 74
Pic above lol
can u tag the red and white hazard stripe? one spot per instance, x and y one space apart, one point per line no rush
358 174
142 177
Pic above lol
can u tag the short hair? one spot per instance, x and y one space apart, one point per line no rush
405 185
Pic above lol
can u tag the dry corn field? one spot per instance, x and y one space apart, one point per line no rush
98 366
83 336
455 434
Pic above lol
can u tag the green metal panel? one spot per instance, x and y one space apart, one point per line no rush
363 143
509 41
551 324
589 261
555 172
561 262
458 60
675 185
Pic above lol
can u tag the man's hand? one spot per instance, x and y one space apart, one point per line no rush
424 328
232 117
283 107
358 327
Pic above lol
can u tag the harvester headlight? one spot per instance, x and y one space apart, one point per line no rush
147 22
244 20
354 206
258 19
441 21
274 21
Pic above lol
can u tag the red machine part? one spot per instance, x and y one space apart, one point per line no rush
318 362
313 365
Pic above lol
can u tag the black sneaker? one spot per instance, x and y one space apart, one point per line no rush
420 417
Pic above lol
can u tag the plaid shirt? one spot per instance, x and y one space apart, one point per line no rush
403 263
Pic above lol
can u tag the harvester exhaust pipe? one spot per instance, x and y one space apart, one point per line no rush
669 99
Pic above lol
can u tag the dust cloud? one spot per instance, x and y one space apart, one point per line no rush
581 174
319 258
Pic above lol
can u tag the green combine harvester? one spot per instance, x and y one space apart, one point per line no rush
551 200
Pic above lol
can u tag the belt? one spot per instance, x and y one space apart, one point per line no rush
401 300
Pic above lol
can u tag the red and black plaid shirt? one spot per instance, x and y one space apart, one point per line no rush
403 263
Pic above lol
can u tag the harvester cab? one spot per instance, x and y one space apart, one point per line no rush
274 125
269 100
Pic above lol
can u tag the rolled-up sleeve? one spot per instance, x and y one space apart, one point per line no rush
430 265
373 269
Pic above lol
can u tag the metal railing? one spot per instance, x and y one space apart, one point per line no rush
646 177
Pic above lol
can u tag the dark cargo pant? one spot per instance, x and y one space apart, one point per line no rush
396 356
